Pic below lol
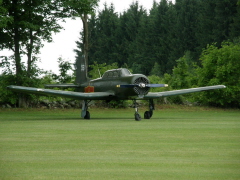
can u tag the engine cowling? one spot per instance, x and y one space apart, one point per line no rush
141 88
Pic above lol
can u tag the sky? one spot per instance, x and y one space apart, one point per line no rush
64 42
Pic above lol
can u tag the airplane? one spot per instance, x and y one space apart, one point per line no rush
115 84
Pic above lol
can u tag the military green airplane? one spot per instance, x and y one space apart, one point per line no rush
115 84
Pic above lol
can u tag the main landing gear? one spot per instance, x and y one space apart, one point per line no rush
85 113
137 115
147 114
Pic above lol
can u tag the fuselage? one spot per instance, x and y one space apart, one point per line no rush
111 80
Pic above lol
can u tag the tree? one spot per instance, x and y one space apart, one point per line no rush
221 66
217 21
82 8
205 24
183 76
187 15
103 37
235 26
225 13
163 36
166 33
156 70
4 17
131 24
29 23
97 70
33 21
64 68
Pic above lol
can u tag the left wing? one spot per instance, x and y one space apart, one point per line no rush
152 95
67 94
66 85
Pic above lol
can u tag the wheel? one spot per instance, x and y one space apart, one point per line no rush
148 114
87 116
137 117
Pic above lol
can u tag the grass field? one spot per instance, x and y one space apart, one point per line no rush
177 143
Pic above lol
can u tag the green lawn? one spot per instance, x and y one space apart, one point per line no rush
177 143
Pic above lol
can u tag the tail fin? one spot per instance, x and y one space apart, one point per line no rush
81 71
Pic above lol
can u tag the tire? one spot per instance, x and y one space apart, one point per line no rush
87 116
147 115
137 117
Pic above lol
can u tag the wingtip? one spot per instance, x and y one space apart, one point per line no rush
10 86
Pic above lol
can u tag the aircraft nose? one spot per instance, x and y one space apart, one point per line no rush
141 85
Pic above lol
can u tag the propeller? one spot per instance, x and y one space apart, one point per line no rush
141 85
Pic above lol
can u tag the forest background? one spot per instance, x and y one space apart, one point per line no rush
187 44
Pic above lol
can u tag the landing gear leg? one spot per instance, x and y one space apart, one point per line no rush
148 114
85 113
137 115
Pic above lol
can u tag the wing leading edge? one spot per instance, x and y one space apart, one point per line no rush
153 95
105 95
67 94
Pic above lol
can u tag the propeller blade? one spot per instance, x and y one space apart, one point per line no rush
127 85
141 85
156 85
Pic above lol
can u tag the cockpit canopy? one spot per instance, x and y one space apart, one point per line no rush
114 73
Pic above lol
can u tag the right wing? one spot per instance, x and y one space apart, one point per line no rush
152 95
67 94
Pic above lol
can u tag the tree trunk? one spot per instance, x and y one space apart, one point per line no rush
22 97
29 54
85 38
17 57
22 101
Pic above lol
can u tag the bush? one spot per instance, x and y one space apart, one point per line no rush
221 66
6 95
